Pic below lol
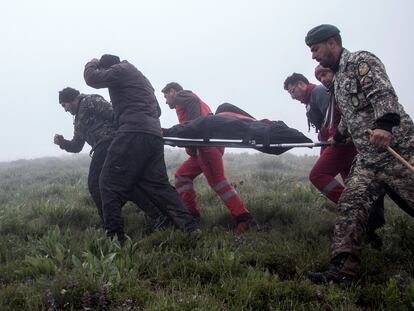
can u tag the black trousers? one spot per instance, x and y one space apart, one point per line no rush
376 218
95 169
153 215
137 160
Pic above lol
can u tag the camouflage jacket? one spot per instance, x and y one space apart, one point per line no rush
364 95
93 123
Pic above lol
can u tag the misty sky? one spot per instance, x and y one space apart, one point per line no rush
225 51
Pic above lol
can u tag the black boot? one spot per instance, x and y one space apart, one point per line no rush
340 271
244 222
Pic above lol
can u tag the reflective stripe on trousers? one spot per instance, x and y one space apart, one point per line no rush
226 195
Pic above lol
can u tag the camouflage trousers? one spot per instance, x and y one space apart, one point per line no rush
364 186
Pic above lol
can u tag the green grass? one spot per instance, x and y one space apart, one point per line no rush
54 254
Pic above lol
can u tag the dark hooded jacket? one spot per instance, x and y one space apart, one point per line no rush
136 108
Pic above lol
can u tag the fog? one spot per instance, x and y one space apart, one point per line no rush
225 51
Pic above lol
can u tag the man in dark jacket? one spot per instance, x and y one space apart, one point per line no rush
206 160
93 124
135 157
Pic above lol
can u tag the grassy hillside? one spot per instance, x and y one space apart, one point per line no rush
54 254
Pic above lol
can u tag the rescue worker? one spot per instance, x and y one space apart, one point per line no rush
135 157
367 101
93 117
322 114
206 160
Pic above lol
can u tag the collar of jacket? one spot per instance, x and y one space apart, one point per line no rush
308 92
343 60
77 100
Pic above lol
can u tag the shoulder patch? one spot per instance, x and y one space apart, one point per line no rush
366 82
355 101
363 68
350 67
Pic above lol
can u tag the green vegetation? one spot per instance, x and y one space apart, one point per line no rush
54 254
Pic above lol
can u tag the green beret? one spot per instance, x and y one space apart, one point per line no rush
320 33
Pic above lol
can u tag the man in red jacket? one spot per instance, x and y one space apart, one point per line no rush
323 114
333 160
207 160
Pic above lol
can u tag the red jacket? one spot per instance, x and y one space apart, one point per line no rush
189 106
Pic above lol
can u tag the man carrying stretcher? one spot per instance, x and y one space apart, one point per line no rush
206 160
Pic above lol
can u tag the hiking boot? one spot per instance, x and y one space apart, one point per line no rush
341 271
244 222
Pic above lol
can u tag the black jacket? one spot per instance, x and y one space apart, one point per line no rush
135 106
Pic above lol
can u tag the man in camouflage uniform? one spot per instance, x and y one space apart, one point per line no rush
367 101
93 124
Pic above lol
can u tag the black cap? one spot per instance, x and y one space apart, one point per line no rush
172 85
68 95
320 33
107 60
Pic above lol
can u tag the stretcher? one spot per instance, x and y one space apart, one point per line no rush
234 130
234 143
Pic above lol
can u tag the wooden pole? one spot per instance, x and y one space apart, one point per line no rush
397 156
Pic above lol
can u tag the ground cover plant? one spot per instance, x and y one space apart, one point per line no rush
54 254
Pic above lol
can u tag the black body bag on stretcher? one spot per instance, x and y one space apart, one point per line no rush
232 123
